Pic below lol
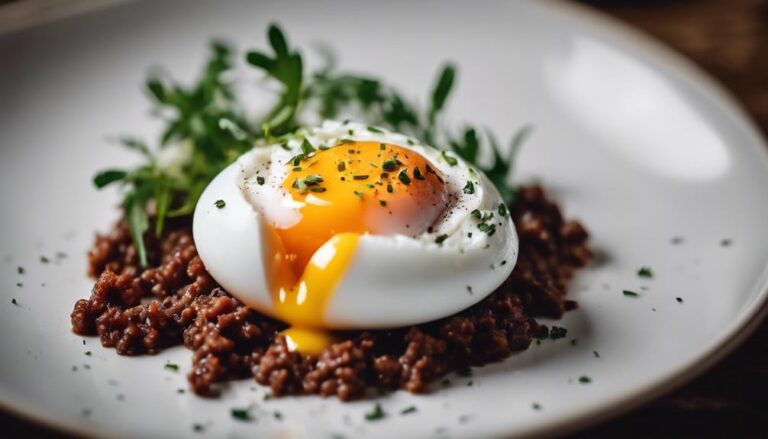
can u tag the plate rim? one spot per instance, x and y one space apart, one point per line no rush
637 41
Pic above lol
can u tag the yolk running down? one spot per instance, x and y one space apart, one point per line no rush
347 190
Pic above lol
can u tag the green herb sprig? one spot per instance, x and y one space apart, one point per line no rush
206 126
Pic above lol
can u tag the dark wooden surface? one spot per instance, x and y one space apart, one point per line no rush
729 39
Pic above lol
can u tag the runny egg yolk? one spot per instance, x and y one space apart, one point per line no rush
346 191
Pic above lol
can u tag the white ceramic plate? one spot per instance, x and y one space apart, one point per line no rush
633 140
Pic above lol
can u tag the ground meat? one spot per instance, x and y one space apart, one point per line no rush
143 311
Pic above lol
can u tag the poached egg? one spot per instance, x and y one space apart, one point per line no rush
346 226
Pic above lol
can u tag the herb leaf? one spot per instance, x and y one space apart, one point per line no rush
645 272
105 178
375 414
138 222
207 122
441 91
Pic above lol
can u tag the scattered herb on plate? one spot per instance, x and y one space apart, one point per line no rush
557 332
376 413
241 414
645 272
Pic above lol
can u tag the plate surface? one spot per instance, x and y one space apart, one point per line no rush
632 140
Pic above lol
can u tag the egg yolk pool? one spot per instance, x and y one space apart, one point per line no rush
344 192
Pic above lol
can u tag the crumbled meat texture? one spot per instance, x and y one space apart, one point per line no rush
176 301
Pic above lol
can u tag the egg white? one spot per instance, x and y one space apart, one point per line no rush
392 280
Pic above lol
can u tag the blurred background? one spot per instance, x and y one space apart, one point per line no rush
729 39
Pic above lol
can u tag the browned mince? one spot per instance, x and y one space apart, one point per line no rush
145 311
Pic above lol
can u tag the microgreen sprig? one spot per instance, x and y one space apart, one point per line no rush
206 126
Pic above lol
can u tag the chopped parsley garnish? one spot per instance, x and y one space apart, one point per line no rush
88 353
300 185
341 167
390 189
679 299
469 188
317 189
490 229
441 238
20 270
375 414
382 203
306 147
557 332
585 379
629 293
278 415
260 181
241 414
449 159
375 130
197 428
469 289
171 366
361 177
208 116
484 216
403 177
14 302
502 210
313 179
360 195
220 204
408 410
726 242
596 354
645 272
390 164
44 260
417 174
536 406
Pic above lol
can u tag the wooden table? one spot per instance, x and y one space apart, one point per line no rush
728 38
